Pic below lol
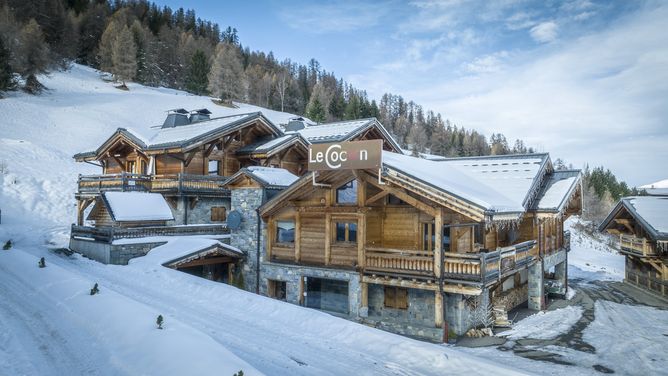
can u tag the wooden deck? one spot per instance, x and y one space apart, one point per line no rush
178 183
637 246
109 234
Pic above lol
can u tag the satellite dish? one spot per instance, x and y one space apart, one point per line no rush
233 220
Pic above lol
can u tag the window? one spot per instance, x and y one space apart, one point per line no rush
394 200
285 231
130 167
396 297
346 232
347 193
218 213
144 168
276 289
429 237
214 167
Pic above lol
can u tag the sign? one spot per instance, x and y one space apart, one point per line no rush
350 155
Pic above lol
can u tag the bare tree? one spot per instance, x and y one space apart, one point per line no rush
124 56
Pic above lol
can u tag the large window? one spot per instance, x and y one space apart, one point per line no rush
276 289
346 232
428 242
214 167
347 193
396 297
285 231
327 294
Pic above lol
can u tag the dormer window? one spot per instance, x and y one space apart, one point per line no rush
347 193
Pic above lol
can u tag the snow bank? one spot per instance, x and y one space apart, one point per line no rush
120 333
591 258
545 325
138 206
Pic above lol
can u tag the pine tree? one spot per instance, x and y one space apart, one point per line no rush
227 80
124 56
8 245
316 111
33 53
94 290
42 263
159 321
6 77
198 72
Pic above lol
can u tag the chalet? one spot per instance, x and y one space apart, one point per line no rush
420 243
412 247
641 223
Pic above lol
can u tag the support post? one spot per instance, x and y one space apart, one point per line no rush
364 299
298 236
328 238
438 240
438 309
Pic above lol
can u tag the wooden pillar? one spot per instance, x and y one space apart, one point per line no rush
300 299
298 236
80 213
438 247
361 240
438 309
328 238
364 299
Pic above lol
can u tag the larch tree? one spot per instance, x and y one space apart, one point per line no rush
198 71
6 77
34 58
226 78
106 45
124 56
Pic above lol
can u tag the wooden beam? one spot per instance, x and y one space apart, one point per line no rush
438 309
190 158
400 283
438 239
361 240
328 238
209 150
298 237
376 197
403 195
364 299
206 261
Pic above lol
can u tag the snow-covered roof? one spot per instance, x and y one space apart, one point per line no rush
517 177
332 132
268 177
557 190
454 180
650 211
659 188
271 145
137 206
185 134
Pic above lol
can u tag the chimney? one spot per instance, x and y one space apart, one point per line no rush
175 118
295 124
200 115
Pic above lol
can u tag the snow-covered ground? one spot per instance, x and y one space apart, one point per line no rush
591 258
545 325
49 323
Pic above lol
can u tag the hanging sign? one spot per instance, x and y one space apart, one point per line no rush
349 155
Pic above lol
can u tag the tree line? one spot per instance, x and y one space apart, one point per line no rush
136 40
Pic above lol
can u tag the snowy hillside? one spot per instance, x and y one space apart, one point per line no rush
51 325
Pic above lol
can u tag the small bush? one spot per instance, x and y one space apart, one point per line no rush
94 290
159 321
42 263
7 245
240 373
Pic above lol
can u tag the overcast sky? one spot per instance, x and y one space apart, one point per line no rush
584 80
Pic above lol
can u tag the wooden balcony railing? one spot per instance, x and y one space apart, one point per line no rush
401 261
638 246
109 234
178 183
488 266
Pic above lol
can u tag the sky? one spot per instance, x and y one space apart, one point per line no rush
584 80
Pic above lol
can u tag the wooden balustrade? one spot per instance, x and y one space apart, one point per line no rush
637 246
402 261
109 234
180 183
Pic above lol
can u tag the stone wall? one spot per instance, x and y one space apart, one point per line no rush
200 213
111 254
246 201
458 309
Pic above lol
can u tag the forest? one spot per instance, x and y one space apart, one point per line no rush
142 42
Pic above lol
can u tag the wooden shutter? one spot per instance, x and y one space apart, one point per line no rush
218 213
390 294
396 297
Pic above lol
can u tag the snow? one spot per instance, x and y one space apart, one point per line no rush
166 136
177 247
545 324
332 131
271 143
453 180
592 259
138 206
653 210
50 325
273 175
555 195
656 185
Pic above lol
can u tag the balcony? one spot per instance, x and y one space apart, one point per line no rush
178 183
399 261
109 234
486 267
637 246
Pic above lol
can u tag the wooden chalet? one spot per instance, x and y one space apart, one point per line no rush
420 239
641 224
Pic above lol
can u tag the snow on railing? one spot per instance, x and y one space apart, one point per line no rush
151 183
109 234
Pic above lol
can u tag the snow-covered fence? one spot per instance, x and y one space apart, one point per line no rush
152 183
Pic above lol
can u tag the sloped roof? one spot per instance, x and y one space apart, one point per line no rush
516 176
268 146
343 131
137 206
650 211
268 177
556 191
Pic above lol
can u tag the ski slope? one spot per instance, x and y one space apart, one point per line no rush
49 323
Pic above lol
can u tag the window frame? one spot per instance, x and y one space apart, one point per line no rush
277 228
346 237
215 215
355 187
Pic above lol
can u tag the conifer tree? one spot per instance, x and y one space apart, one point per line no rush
94 290
227 80
7 245
316 111
198 71
159 321
6 78
42 263
33 53
124 56
106 45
